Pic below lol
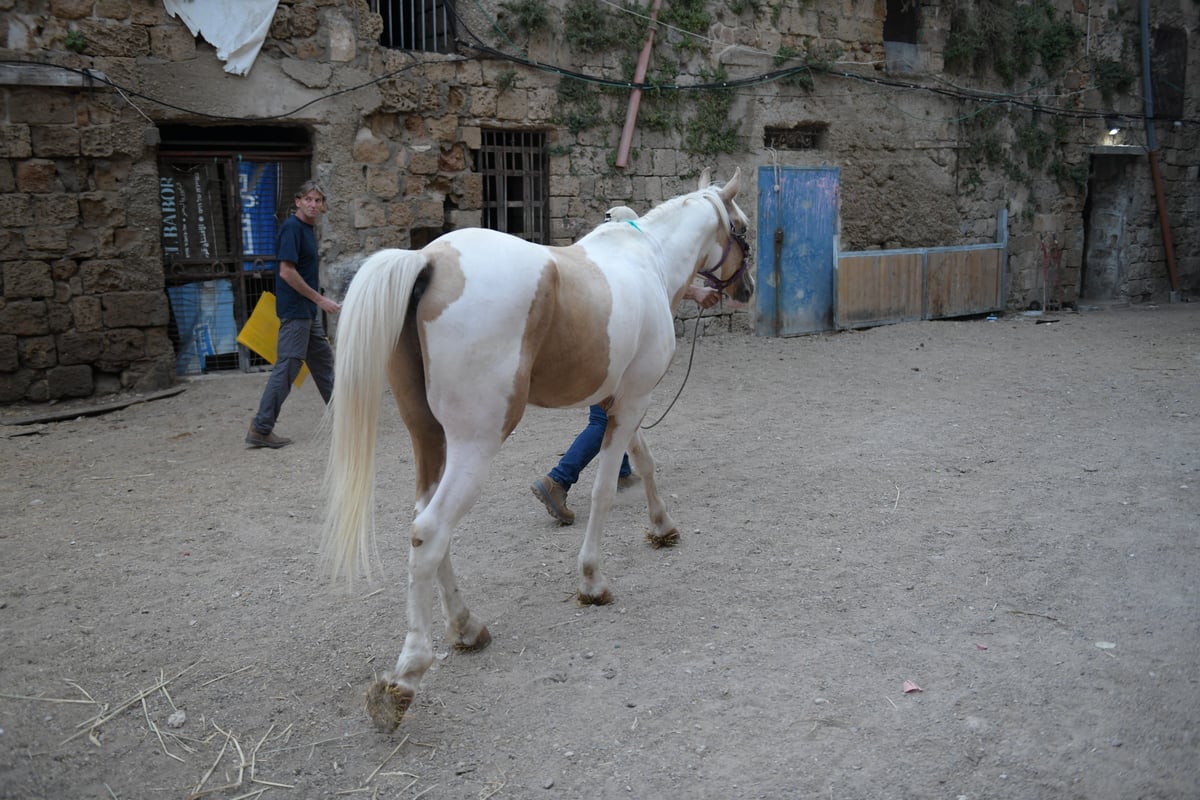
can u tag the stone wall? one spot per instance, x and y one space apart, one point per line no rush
394 134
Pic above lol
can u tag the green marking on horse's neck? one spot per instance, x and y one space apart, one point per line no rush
634 224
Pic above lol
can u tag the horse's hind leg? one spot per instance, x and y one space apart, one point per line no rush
663 532
429 559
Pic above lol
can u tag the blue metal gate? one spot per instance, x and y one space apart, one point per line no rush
797 222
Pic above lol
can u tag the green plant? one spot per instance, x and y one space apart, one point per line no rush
1111 77
691 16
587 27
75 42
506 81
578 105
531 16
710 131
1004 37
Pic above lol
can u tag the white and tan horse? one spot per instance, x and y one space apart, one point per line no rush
469 331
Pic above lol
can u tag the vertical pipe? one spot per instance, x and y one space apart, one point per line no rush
1152 149
635 97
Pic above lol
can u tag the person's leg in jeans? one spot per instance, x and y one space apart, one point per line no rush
584 449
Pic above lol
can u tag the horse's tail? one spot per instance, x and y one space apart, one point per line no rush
368 330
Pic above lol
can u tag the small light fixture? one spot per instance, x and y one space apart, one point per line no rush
1113 123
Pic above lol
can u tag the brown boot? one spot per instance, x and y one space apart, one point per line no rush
554 498
256 439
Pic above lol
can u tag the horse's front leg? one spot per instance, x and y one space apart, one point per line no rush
593 586
663 532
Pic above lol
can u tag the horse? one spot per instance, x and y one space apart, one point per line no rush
472 329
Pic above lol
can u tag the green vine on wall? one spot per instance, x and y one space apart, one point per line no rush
1004 37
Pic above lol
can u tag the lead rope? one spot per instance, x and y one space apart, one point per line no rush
691 355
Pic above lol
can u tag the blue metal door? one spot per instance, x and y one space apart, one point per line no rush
797 220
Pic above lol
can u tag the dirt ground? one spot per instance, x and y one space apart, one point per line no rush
1004 512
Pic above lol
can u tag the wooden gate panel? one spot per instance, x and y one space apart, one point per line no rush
878 289
963 282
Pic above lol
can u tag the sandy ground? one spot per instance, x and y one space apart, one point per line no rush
1004 513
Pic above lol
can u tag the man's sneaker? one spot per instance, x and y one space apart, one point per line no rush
554 498
256 439
625 481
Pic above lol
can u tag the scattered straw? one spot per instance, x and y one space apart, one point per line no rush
395 750
89 701
226 675
424 792
96 722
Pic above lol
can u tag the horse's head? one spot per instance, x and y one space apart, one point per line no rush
730 272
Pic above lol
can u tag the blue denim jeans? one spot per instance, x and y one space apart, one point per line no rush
301 341
584 449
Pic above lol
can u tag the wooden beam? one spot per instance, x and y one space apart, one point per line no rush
48 75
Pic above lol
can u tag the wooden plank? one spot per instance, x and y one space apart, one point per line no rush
878 288
48 75
963 282
60 414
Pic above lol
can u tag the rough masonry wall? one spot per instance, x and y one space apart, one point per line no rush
82 305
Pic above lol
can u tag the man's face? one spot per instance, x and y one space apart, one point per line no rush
310 206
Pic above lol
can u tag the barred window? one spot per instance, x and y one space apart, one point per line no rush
426 25
516 183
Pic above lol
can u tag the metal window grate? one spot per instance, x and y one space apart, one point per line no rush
426 25
516 183
806 136
222 194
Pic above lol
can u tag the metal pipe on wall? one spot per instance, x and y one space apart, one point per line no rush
1152 149
635 97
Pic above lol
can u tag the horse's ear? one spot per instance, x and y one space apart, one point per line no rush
730 189
705 178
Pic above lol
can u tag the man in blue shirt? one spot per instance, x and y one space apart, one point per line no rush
301 332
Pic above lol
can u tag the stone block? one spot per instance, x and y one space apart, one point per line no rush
24 318
383 181
77 347
341 38
9 358
46 241
55 208
27 279
38 352
424 160
98 141
15 210
87 313
15 141
98 209
121 348
74 381
135 309
71 9
173 43
102 276
59 317
368 214
369 148
36 176
15 386
55 141
114 39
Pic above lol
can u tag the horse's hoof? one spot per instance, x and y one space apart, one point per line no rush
386 704
602 599
481 640
660 540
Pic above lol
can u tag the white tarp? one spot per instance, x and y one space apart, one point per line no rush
237 28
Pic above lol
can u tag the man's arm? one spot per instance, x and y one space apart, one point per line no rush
287 271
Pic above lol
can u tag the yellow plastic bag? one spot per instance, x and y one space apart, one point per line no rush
261 333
